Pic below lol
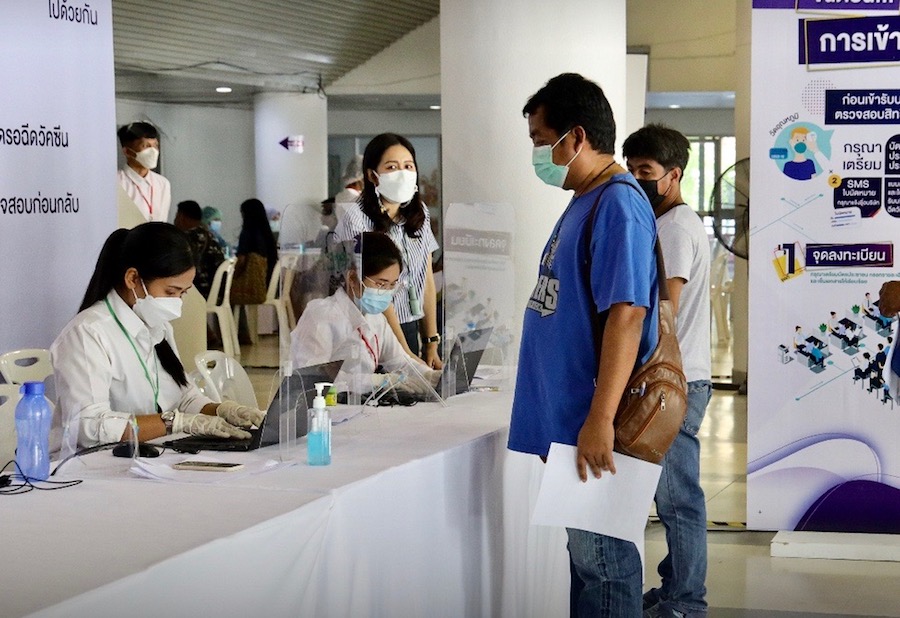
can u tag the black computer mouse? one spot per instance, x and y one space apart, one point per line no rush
126 449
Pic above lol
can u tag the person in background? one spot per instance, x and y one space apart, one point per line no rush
274 217
657 156
255 240
349 325
208 255
150 192
256 234
212 219
571 377
117 358
352 181
390 203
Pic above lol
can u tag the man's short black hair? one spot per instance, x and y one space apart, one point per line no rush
191 210
663 144
569 100
134 131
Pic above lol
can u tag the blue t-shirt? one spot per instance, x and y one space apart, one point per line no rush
802 170
558 356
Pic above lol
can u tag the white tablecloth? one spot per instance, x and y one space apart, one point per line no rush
422 512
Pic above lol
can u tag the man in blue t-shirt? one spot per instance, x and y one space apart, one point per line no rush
591 319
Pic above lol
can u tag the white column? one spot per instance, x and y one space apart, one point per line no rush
494 55
284 176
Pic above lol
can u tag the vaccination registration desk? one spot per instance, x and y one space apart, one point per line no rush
422 512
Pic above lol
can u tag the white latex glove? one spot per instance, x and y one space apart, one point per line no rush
240 416
412 384
206 425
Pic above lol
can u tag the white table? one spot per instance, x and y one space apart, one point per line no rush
422 512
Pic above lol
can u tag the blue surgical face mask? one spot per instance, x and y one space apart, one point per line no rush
548 171
374 301
215 226
800 147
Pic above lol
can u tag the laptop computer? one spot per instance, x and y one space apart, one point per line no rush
296 392
465 355
458 373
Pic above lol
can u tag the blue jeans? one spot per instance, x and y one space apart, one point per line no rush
606 576
681 506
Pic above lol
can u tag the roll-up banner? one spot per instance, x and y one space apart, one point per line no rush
823 420
57 161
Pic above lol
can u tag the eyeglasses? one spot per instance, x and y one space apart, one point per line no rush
383 285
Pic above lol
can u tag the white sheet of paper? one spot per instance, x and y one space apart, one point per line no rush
616 505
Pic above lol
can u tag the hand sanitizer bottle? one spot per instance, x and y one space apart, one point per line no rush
318 438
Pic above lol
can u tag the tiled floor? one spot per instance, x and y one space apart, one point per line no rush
743 580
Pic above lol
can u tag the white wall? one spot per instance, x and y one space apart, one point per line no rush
207 154
714 122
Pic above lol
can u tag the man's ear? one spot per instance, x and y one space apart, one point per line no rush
580 137
679 174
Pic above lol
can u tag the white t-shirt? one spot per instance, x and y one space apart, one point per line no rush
333 328
100 381
685 248
151 193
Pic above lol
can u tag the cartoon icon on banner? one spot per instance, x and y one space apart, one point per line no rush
786 261
802 150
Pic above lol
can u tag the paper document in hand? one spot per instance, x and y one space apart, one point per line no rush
616 505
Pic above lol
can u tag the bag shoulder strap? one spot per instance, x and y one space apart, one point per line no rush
589 234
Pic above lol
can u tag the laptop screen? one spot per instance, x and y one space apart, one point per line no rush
296 392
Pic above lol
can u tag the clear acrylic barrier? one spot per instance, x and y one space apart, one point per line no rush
325 292
479 288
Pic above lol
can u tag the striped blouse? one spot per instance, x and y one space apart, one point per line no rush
416 253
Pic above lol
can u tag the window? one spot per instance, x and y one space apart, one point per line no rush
710 156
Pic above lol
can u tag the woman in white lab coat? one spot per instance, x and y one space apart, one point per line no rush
117 358
349 325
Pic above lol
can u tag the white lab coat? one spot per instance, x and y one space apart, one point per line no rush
333 328
100 382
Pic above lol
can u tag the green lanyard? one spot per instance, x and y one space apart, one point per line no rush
153 387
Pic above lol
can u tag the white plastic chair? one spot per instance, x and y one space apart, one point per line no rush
20 366
225 378
9 397
278 296
222 310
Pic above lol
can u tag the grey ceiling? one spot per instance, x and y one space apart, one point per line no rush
180 50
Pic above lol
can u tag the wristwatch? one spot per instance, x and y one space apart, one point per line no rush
168 419
433 339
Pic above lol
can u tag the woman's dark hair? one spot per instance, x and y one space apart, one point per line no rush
414 212
256 235
378 252
156 250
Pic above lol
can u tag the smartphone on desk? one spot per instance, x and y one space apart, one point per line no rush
213 466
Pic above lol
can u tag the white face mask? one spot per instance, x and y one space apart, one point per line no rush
155 312
148 157
398 187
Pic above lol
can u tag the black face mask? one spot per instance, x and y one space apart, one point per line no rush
651 188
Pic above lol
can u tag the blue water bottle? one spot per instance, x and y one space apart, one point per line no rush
33 418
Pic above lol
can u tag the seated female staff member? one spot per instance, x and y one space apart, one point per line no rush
349 325
117 357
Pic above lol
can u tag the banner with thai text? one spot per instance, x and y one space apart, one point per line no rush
57 161
825 146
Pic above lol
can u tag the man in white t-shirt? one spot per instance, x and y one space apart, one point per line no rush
657 156
150 191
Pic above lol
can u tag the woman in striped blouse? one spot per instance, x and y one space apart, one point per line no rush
390 203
